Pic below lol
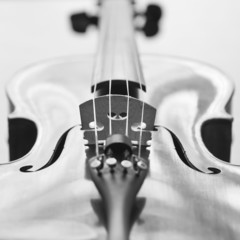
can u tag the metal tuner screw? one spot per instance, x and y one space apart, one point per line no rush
126 164
141 166
97 164
111 162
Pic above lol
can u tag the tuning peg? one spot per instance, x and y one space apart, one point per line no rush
81 21
152 17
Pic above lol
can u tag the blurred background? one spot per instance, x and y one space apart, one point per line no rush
35 30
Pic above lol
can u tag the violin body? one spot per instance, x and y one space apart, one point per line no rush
188 193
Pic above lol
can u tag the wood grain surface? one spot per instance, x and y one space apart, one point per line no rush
186 197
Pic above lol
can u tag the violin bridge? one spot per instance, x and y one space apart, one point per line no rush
117 114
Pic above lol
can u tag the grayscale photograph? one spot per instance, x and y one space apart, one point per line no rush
119 120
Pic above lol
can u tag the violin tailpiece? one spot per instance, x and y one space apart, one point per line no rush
118 174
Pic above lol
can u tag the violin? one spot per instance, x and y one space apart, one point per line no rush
117 146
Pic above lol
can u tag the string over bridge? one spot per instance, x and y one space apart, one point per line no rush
131 121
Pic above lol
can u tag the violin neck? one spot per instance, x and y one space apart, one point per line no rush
117 55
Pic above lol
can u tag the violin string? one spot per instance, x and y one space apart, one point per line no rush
98 59
137 63
128 100
94 112
95 121
110 106
94 104
141 130
128 94
110 79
